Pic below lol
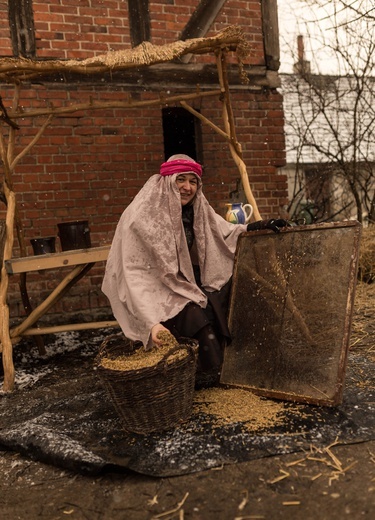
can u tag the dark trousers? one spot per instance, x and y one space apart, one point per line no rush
209 326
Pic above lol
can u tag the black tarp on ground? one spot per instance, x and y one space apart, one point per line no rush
60 414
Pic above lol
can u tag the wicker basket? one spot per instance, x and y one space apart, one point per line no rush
153 398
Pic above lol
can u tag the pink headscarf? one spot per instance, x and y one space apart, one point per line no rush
180 166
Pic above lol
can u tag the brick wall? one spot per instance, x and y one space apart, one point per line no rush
89 165
80 28
72 29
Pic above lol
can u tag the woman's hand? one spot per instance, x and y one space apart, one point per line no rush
273 223
155 331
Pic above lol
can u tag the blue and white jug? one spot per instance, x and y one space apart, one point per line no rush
239 213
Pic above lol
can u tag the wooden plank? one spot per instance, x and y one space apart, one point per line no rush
57 260
69 327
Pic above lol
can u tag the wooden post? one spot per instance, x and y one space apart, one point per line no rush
6 343
270 25
234 145
10 161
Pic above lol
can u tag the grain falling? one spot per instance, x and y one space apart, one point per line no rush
238 405
167 339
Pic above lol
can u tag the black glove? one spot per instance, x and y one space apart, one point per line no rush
273 223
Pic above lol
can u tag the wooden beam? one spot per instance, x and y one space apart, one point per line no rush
270 27
55 329
170 75
202 18
22 30
57 260
161 100
200 22
139 21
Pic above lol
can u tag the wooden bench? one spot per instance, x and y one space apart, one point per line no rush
56 260
81 261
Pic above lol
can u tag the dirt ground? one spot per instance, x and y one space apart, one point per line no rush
269 488
330 483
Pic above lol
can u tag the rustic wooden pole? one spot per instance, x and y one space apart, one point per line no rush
54 329
6 343
205 120
49 301
234 145
7 153
161 100
10 163
28 147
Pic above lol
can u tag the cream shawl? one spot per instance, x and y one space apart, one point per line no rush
149 276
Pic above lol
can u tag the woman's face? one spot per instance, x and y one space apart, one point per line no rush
187 184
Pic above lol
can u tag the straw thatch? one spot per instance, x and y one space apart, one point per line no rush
232 38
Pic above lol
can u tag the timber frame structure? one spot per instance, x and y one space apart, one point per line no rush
21 70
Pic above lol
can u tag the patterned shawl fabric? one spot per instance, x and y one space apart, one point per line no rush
149 275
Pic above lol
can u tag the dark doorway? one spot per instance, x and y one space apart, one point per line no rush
181 133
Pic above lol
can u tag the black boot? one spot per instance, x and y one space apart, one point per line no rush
210 358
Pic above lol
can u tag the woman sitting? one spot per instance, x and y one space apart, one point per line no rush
171 262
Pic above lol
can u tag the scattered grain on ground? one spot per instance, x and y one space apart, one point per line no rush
238 405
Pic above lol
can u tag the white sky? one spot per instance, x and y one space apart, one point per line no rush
294 17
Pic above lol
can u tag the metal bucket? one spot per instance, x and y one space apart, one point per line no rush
74 235
44 245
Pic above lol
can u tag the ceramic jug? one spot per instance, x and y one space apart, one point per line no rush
239 213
